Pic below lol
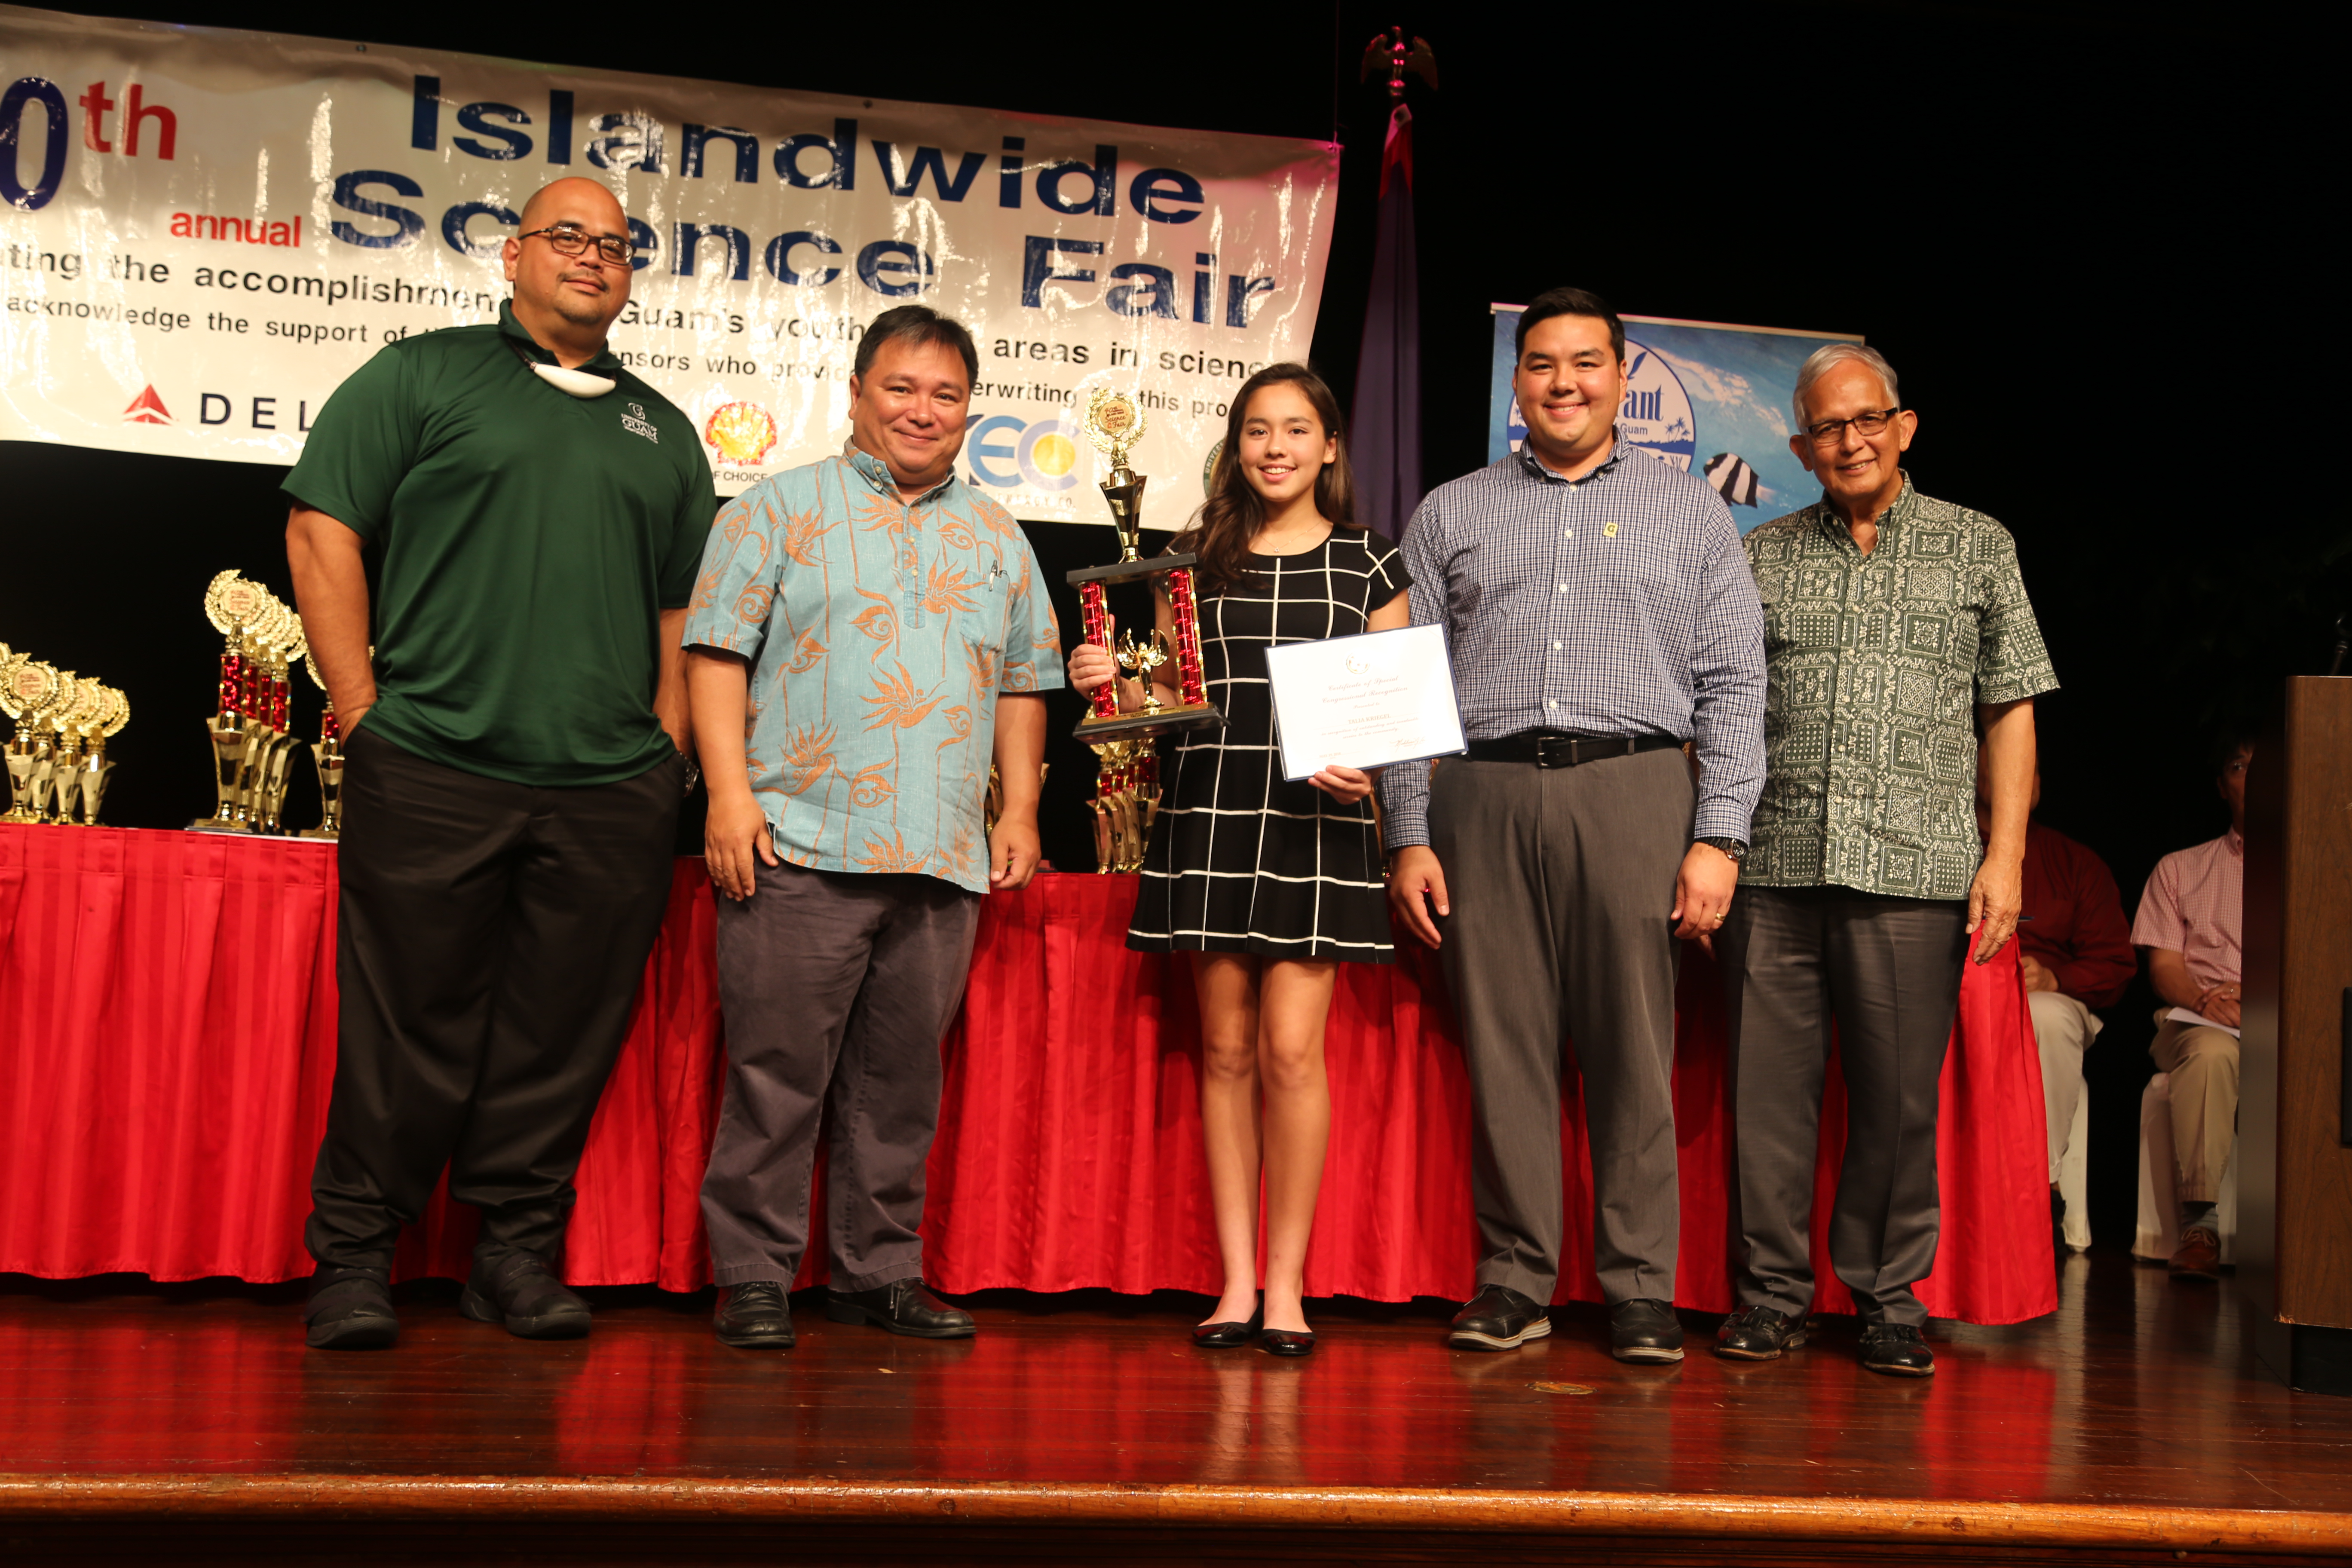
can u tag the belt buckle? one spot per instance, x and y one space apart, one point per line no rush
1554 750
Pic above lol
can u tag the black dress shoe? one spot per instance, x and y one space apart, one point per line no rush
1286 1342
1897 1350
1226 1336
350 1309
903 1307
1499 1318
1645 1330
755 1316
1759 1333
519 1292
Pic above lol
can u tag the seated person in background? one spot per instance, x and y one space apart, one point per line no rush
2075 954
2189 926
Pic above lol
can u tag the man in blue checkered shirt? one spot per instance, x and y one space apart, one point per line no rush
1599 614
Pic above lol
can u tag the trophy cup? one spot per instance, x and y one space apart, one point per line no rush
75 697
28 688
1126 800
327 753
1115 424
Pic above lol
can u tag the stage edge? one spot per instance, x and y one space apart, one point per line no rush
414 1499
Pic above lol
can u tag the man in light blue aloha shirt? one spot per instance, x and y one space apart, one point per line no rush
867 635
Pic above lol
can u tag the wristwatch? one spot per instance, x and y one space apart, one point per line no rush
1732 848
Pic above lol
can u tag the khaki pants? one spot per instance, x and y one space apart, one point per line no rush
2064 1028
2203 1062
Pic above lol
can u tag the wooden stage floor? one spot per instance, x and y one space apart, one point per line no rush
188 1422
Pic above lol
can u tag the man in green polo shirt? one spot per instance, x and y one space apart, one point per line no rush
535 515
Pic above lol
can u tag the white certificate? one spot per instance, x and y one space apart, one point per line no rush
1363 702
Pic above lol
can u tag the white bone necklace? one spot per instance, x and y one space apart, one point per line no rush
577 383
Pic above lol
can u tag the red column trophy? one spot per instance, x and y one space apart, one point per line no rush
252 752
1115 424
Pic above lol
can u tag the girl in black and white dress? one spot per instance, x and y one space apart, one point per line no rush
1272 883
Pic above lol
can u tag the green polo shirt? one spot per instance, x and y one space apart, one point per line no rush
529 540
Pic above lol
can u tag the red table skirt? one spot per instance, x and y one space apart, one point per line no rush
167 1039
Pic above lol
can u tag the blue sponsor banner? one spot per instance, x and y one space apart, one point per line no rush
1703 396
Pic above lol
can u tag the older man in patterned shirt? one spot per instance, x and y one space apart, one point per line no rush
1599 615
868 632
1893 624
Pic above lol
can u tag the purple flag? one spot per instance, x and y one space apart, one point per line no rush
1385 425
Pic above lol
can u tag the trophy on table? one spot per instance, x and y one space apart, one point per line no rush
253 755
1125 799
28 688
57 761
327 753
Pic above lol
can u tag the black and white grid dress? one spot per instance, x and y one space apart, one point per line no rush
1241 860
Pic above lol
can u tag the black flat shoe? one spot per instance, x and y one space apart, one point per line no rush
903 1307
350 1309
1286 1342
755 1316
523 1294
1228 1336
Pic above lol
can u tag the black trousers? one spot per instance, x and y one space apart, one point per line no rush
490 940
1888 971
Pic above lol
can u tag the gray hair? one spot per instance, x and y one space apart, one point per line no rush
1828 357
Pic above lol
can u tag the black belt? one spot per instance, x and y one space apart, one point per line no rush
1549 749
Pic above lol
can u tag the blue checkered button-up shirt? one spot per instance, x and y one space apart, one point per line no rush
1619 603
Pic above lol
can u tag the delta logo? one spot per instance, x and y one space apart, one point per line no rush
740 433
147 409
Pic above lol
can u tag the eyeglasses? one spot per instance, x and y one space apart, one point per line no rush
1830 432
570 240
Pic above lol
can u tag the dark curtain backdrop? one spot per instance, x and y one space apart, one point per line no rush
2086 235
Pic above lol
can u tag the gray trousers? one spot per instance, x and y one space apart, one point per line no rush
836 989
1561 881
1888 971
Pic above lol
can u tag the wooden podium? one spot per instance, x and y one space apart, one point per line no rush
2295 1111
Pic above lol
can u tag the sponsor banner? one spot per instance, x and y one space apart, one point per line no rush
1702 395
204 231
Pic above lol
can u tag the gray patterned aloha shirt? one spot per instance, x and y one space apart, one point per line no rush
1874 665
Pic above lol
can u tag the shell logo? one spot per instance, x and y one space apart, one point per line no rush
741 432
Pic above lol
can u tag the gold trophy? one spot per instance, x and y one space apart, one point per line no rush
58 766
28 688
112 711
1114 422
327 753
253 755
1126 800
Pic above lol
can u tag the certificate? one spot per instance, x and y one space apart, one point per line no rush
1363 702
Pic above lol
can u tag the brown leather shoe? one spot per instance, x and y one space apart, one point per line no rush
2198 1256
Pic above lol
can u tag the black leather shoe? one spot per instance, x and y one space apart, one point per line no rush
1759 1333
1227 1336
1897 1350
1286 1342
1643 1330
519 1292
350 1309
755 1316
903 1307
1499 1318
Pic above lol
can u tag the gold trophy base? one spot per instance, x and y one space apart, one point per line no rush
1165 720
215 824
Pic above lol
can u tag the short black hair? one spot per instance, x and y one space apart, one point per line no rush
918 324
1568 302
2229 739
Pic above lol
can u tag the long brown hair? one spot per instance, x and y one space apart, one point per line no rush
1222 530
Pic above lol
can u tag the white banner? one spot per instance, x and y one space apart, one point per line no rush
207 230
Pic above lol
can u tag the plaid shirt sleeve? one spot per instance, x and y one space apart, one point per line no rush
1404 787
1727 701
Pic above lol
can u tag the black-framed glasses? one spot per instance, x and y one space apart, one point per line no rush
570 240
1830 432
